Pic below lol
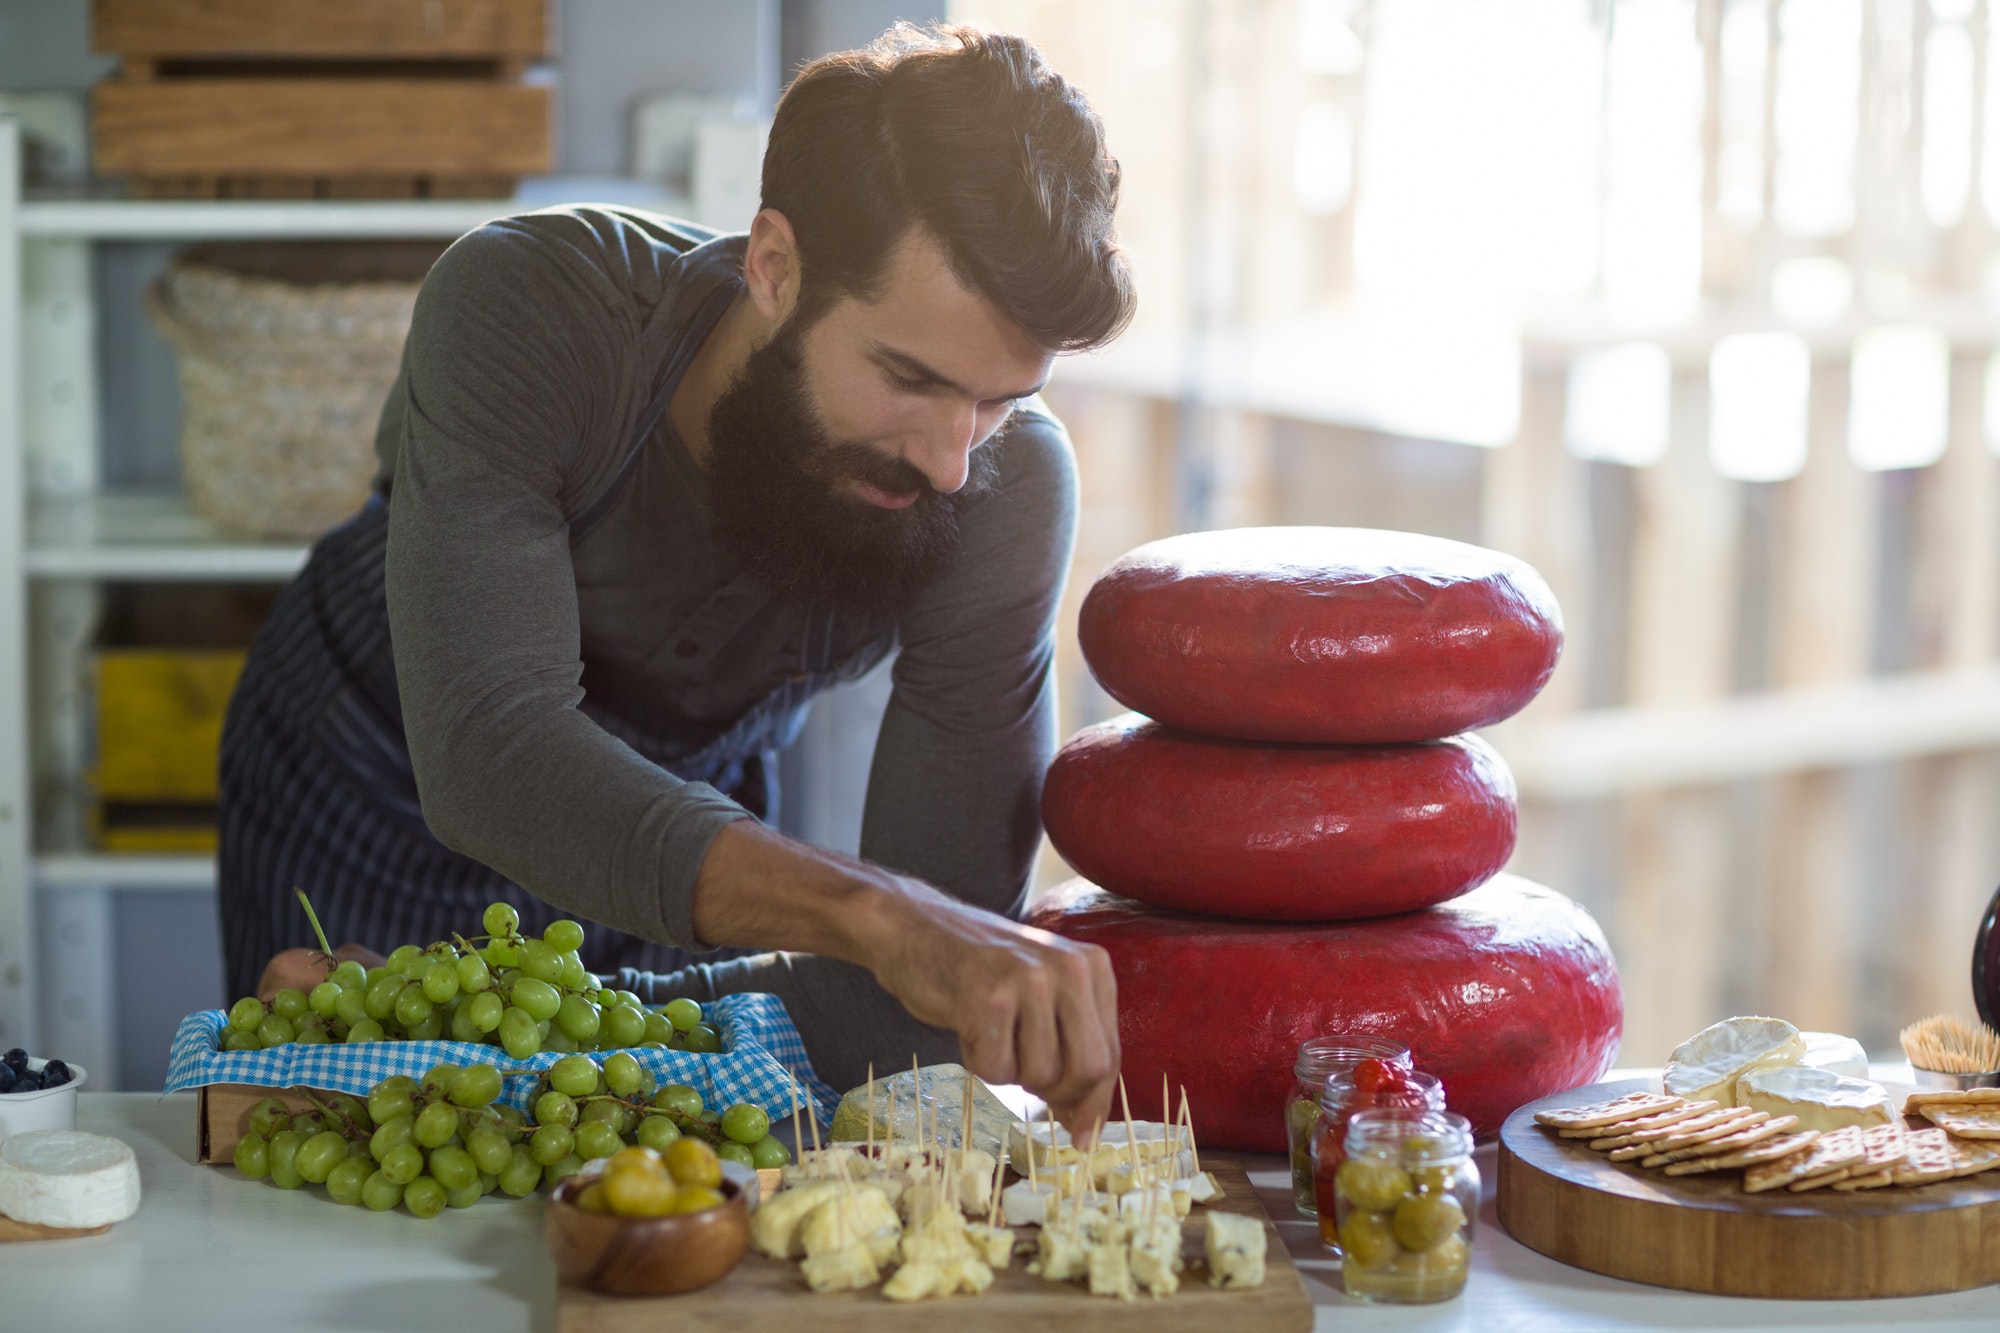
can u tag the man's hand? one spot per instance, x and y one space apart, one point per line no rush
302 969
1028 1007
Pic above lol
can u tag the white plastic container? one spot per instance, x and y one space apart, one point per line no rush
48 1108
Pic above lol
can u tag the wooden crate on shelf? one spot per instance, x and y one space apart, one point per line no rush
307 99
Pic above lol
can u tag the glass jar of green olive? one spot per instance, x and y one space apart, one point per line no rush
1405 1200
1318 1060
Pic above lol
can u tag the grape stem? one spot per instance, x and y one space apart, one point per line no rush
325 949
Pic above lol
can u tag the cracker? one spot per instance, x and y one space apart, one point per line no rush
1931 1158
1969 1158
1834 1156
1607 1113
1965 1122
1701 1129
1640 1124
1627 1133
1767 1128
1782 1148
1949 1097
1874 1180
1783 1171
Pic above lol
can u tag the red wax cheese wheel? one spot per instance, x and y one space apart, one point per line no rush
1507 994
1278 833
1344 636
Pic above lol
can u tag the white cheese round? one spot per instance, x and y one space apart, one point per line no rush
1707 1065
66 1178
1820 1098
1835 1053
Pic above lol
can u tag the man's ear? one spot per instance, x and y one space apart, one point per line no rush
771 266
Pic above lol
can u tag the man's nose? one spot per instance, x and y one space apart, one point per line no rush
944 452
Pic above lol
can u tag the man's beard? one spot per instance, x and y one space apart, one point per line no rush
779 486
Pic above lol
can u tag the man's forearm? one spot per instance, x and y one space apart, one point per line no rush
759 889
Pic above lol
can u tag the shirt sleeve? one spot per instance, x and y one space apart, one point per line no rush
954 794
516 387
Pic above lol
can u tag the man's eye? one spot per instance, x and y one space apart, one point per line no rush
906 385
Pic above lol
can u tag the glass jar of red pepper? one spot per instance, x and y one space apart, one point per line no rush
1371 1084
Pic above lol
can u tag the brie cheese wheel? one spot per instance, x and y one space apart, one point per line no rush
65 1178
1820 1098
1708 1064
1837 1054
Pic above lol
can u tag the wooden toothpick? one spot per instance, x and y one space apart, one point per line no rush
1194 1149
868 1148
798 1137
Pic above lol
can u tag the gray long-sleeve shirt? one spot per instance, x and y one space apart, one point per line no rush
535 660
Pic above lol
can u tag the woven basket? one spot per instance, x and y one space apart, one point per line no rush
286 352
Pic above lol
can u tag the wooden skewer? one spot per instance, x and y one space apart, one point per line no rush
1034 1187
798 1138
999 1174
868 1148
812 1118
889 1143
1131 1135
1194 1149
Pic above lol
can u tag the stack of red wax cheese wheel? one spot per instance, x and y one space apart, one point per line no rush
1298 834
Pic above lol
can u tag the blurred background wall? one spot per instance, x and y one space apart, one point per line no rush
1692 303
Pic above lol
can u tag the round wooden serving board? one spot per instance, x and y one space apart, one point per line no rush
1703 1233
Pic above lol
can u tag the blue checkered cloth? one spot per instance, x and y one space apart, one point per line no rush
761 1051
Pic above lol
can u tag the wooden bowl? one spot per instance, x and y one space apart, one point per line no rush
645 1256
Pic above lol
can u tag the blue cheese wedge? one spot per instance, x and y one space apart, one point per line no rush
66 1178
940 1091
1820 1098
1837 1054
1706 1066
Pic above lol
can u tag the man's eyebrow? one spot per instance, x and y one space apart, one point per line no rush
912 368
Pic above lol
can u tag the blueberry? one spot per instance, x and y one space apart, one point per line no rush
6 1078
16 1060
55 1073
28 1082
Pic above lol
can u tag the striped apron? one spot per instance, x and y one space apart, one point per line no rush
317 790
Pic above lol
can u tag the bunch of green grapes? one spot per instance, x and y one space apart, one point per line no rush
523 993
427 1144
439 1142
591 1110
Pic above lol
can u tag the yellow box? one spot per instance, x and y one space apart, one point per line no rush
159 722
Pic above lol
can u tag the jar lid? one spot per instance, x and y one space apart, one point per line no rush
1335 1051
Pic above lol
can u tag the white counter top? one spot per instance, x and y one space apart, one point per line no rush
210 1250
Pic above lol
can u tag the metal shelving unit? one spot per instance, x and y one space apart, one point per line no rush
62 537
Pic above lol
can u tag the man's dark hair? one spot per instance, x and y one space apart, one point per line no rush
971 136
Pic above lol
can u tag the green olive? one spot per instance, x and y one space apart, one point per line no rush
1448 1260
1421 1147
1302 1115
1425 1221
1367 1240
1374 1186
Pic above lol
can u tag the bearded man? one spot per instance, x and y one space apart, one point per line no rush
644 491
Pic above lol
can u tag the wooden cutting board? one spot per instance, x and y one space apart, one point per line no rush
767 1296
12 1230
1703 1233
